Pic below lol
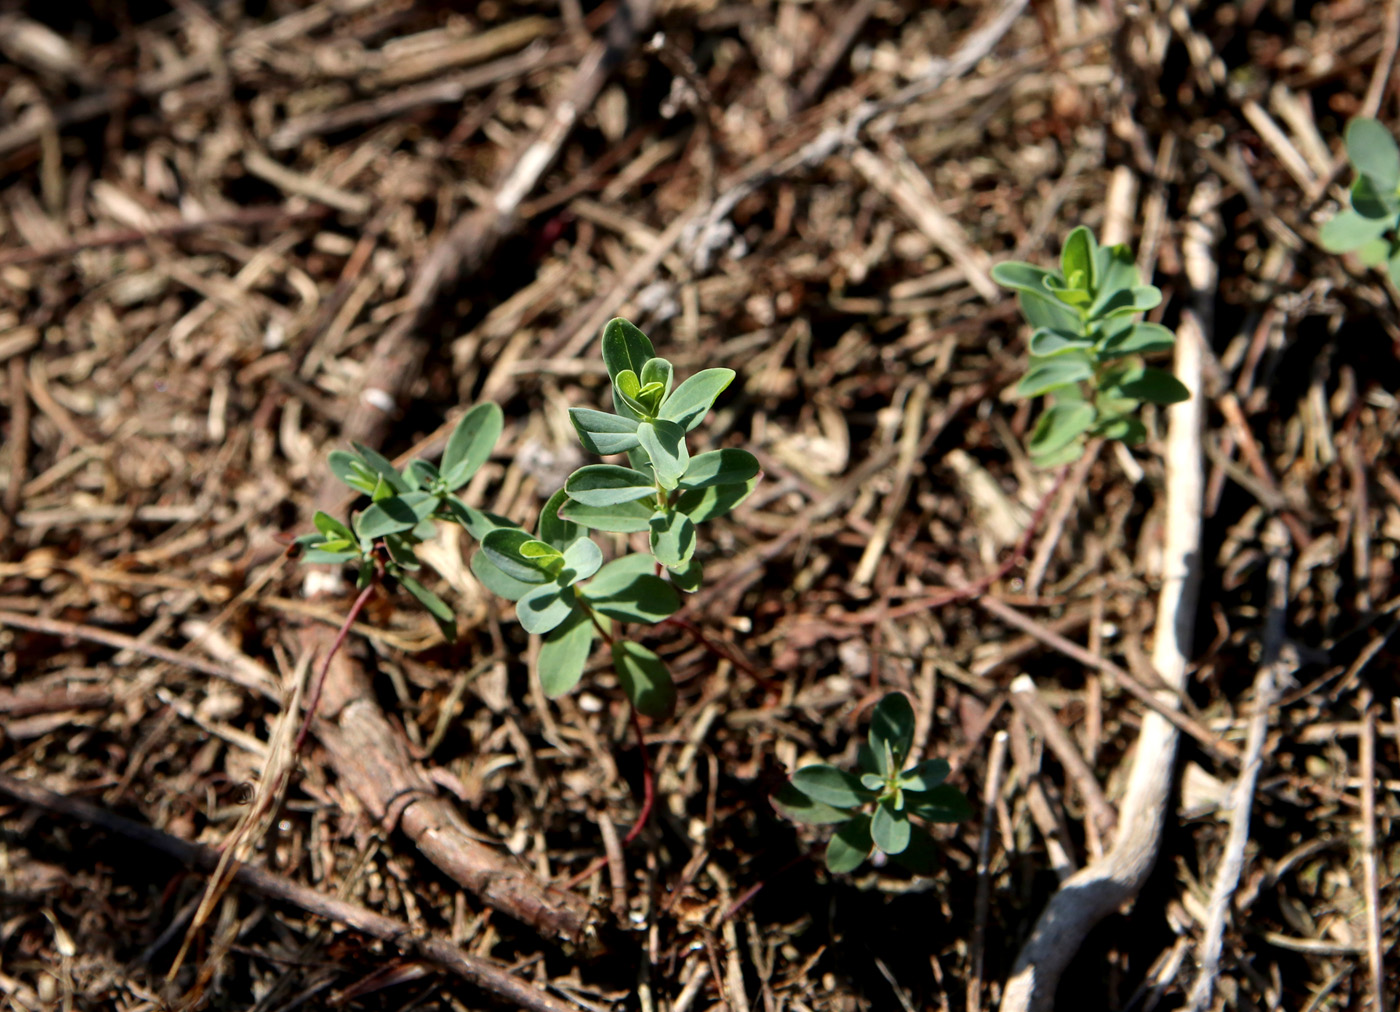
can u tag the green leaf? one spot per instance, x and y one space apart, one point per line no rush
889 829
478 523
607 485
892 724
644 678
436 606
1370 202
1048 373
644 598
623 518
658 370
520 556
471 443
1023 277
821 782
401 551
624 347
1048 313
1059 425
318 556
1045 342
1374 253
421 474
554 529
1127 301
926 775
1373 152
388 516
494 580
664 443
1348 231
1138 339
1070 294
603 433
619 574
799 807
581 560
921 856
945 803
672 539
1064 455
1077 262
1156 386
692 400
719 467
703 504
688 577
1125 428
543 608
1393 266
351 470
1116 269
332 528
627 388
850 846
382 466
564 653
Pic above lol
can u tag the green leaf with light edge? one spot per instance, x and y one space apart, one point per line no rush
719 467
644 598
436 606
644 678
945 803
388 516
703 504
607 485
849 846
1077 260
421 474
926 775
498 582
795 805
658 370
477 523
332 528
688 577
1139 339
1128 301
835 787
889 829
664 443
471 443
619 574
627 388
317 556
1022 277
522 557
564 654
892 724
624 347
1045 343
344 466
1155 386
555 530
1059 425
1373 152
382 466
1047 373
622 518
672 539
581 560
1349 231
603 433
543 608
692 400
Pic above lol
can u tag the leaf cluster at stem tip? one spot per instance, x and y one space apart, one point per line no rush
874 809
562 588
1370 228
1086 347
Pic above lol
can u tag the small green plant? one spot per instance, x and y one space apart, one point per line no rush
1086 347
557 578
821 794
1370 228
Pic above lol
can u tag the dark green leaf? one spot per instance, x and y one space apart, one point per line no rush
703 504
889 829
1373 152
1078 261
603 433
1127 301
719 467
554 530
1138 339
343 466
644 678
690 401
498 582
544 608
388 516
1370 202
821 782
564 653
317 556
1047 373
921 856
945 803
382 466
926 775
521 557
478 523
645 598
581 560
625 347
401 550
664 443
436 606
1125 428
1348 231
624 518
607 485
471 443
1045 343
672 539
1023 277
1059 425
892 724
688 577
658 370
797 806
850 846
1155 386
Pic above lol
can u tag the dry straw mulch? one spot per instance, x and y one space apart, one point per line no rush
221 228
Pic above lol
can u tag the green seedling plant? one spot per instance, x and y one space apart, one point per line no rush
1370 228
1087 346
562 588
876 808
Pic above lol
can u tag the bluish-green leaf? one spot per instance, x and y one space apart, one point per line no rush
607 485
850 846
1139 339
471 443
672 539
318 556
603 433
1116 269
1370 202
1348 231
522 557
581 560
664 443
564 653
658 370
926 775
1156 386
719 467
945 803
1077 260
645 598
703 504
1022 277
619 574
498 582
892 724
689 402
1047 373
420 474
791 802
1048 313
625 347
544 607
921 855
1125 428
478 523
436 606
1127 301
1045 342
388 516
1373 152
889 829
382 466
832 786
688 577
644 678
1059 425
554 529
344 466
623 518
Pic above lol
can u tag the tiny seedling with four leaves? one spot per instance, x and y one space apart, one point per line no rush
1370 228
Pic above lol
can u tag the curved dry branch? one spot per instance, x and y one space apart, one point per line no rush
1093 893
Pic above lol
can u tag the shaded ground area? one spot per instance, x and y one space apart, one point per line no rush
221 224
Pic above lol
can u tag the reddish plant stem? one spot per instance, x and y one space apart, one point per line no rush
314 700
717 650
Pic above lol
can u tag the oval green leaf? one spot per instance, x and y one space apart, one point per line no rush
832 786
1059 425
1049 373
471 443
889 829
644 678
892 724
607 485
850 846
603 433
797 806
664 443
544 608
623 518
520 556
692 400
719 467
1156 386
564 653
1373 152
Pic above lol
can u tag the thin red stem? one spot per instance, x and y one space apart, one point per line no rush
315 698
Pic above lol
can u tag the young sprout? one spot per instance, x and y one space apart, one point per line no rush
1370 228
